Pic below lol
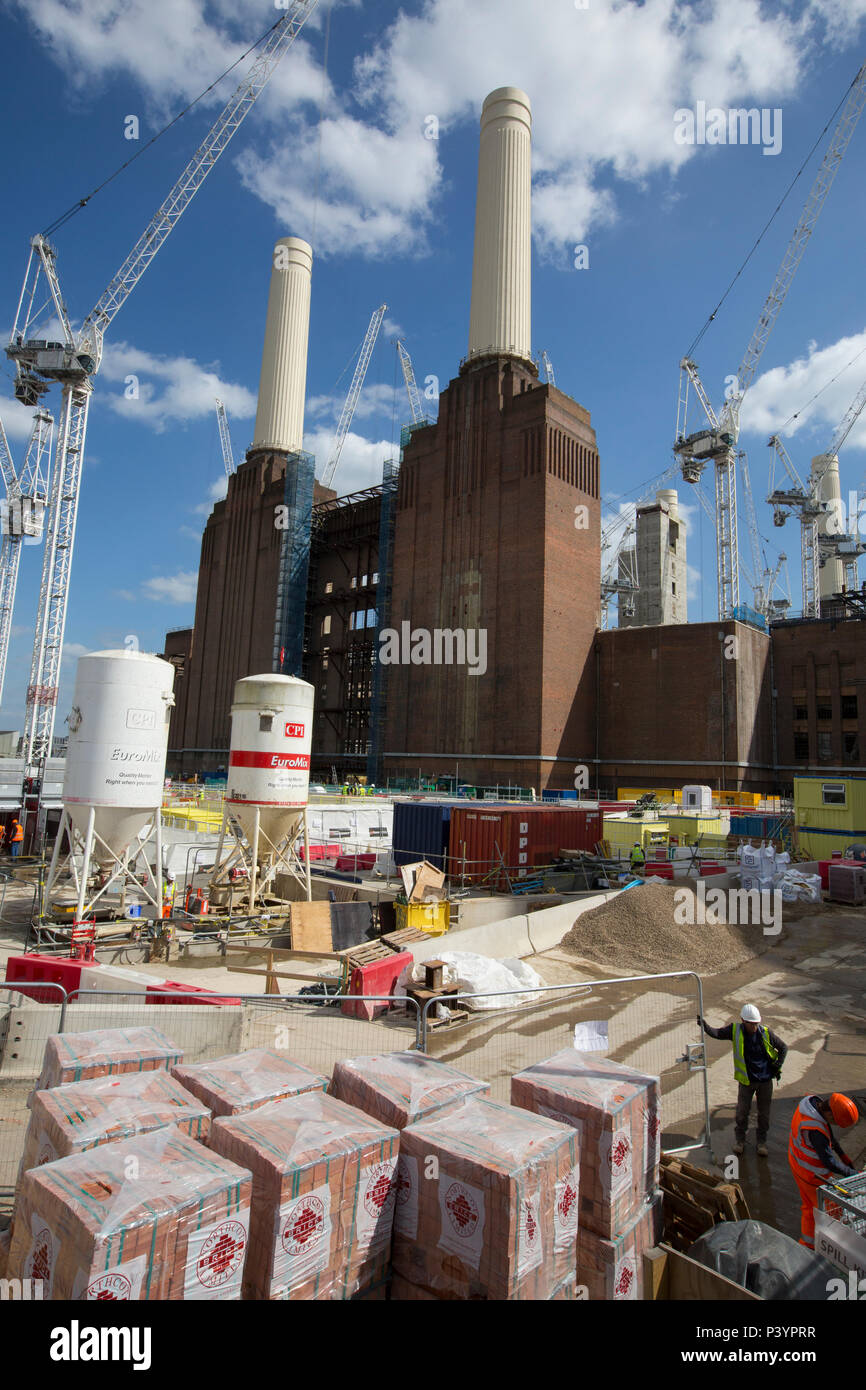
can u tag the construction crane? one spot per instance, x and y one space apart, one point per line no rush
805 500
23 515
225 437
354 392
718 442
415 408
548 369
74 361
763 579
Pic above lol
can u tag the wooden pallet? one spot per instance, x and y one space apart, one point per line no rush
696 1200
402 940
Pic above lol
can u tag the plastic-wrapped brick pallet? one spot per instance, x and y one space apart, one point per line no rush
243 1081
615 1111
154 1217
613 1269
105 1052
404 1292
323 1197
402 1088
84 1114
500 1220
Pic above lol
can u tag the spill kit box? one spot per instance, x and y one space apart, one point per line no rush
401 1088
105 1052
323 1197
245 1080
158 1216
498 1220
615 1111
84 1114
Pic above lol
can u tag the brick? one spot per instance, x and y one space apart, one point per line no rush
105 1052
84 1114
401 1088
615 1111
613 1269
498 1217
323 1197
154 1217
245 1080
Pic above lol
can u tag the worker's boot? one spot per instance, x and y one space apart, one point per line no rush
739 1146
763 1151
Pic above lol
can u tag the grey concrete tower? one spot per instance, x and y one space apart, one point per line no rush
500 319
283 380
659 557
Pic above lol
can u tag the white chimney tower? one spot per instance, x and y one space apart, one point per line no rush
831 575
283 380
500 318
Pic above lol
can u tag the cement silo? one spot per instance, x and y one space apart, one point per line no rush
115 770
268 781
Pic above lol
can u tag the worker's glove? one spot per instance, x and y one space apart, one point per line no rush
777 1074
700 1022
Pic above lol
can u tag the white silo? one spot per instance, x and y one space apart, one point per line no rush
115 768
268 777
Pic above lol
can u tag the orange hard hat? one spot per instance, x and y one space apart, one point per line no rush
844 1111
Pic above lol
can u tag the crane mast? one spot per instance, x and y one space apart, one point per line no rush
718 442
412 391
74 363
225 437
23 514
354 392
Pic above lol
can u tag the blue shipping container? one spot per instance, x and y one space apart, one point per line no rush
421 831
559 796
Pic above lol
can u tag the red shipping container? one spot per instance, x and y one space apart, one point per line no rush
58 970
525 836
379 977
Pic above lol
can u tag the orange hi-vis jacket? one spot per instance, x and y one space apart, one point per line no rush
17 831
805 1163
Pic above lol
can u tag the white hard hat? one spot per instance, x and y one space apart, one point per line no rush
749 1014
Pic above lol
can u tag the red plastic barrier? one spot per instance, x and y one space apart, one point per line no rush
824 869
350 863
659 871
176 992
379 977
59 970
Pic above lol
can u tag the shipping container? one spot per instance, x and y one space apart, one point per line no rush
522 838
689 829
623 834
421 832
829 813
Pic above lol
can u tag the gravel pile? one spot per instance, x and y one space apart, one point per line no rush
636 932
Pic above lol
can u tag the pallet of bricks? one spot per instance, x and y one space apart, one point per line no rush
615 1113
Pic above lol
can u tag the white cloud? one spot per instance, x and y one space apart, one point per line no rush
73 650
391 329
172 588
375 399
216 492
786 391
18 424
604 81
169 389
360 463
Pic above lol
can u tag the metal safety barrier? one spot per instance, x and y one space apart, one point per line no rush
652 1028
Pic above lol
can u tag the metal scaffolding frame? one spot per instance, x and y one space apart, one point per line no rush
294 565
387 517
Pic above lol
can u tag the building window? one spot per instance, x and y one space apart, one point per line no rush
833 793
329 587
326 625
800 711
673 588
371 617
825 709
801 745
354 582
825 744
849 706
363 581
324 663
266 723
375 578
851 748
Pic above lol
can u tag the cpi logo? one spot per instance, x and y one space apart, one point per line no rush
294 731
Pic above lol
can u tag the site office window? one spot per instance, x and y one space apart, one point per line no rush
833 793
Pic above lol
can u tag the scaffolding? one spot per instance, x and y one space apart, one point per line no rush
296 524
387 516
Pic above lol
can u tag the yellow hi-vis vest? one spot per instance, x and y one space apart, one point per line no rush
738 1042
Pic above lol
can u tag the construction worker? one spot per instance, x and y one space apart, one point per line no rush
758 1059
17 837
637 860
813 1153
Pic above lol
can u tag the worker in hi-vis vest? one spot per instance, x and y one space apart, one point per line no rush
758 1059
813 1153
16 838
637 861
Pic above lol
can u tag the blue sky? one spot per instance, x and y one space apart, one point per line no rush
342 159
